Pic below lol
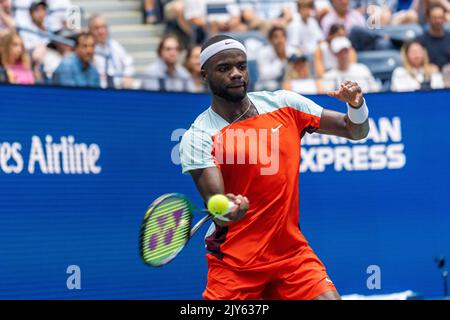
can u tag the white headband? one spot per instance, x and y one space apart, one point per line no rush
218 47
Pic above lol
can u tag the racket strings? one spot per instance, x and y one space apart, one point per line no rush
165 230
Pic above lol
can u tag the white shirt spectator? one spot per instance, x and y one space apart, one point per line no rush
32 36
356 72
156 78
329 59
402 80
112 60
21 12
57 13
304 35
211 10
322 4
268 9
271 67
50 62
304 86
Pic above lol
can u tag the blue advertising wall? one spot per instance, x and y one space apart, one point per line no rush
386 204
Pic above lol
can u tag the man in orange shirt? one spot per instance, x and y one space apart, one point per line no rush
247 145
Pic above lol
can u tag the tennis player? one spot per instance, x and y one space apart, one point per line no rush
247 145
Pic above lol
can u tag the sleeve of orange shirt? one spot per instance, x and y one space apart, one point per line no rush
306 113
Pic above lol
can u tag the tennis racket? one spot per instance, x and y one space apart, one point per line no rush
167 227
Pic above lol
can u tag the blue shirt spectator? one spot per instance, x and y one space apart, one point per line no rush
78 68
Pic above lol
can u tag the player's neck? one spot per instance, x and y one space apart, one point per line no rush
229 110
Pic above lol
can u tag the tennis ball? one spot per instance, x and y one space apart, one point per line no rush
218 205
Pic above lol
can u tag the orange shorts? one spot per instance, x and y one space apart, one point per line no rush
302 277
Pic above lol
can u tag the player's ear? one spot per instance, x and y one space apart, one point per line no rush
203 73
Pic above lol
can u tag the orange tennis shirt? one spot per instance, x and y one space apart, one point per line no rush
259 158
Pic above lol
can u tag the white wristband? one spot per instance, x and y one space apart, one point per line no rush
359 115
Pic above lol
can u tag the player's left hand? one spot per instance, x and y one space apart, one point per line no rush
349 92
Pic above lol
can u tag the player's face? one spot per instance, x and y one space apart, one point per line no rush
227 75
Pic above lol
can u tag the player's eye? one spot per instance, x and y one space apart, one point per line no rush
243 66
223 68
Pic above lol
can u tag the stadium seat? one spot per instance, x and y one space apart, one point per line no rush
401 33
381 63
252 73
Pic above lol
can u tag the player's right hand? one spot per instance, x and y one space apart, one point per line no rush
241 205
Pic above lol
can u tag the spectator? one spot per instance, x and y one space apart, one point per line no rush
3 74
36 34
347 70
113 63
324 58
7 23
214 15
21 12
378 12
165 74
304 31
437 40
150 13
417 13
323 7
57 14
298 77
273 58
177 24
192 65
417 72
56 52
341 13
78 69
15 60
262 15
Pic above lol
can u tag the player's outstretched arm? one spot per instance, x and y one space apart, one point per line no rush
209 182
340 124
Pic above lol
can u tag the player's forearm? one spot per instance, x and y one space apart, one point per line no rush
357 131
357 121
208 181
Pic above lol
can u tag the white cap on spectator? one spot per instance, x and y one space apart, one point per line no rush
339 43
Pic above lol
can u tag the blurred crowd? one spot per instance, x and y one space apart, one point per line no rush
302 45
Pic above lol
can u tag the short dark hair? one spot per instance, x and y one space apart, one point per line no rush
335 27
275 29
80 35
165 38
434 6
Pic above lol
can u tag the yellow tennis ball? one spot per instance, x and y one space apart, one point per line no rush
218 204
